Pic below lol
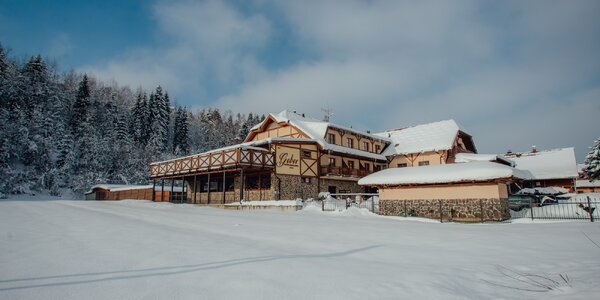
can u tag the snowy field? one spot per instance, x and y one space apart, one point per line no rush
143 250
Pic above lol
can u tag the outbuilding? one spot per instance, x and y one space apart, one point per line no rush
469 192
132 192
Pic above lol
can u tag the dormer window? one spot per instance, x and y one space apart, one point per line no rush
377 149
350 143
366 146
331 138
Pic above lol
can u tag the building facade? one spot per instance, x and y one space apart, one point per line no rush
286 156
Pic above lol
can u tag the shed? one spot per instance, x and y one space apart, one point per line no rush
473 191
131 192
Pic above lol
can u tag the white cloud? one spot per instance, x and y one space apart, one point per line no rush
384 64
199 44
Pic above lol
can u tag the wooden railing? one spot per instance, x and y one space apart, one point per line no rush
344 171
234 157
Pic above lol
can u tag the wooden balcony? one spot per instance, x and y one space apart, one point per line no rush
231 157
344 171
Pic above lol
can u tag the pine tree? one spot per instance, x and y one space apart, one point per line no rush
592 162
181 133
81 107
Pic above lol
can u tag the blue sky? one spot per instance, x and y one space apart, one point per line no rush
513 73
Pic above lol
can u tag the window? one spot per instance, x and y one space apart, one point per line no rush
305 153
258 181
265 181
351 164
332 161
402 165
377 148
366 146
331 138
306 179
424 163
350 143
383 167
368 167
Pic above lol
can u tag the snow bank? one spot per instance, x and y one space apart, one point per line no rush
268 203
472 171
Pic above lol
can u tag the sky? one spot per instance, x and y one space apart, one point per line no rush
512 73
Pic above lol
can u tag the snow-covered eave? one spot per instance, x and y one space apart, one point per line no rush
420 151
494 180
247 145
117 187
355 152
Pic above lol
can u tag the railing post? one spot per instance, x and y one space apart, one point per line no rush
591 211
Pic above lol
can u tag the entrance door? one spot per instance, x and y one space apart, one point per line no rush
332 189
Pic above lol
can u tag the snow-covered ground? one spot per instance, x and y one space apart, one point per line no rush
142 250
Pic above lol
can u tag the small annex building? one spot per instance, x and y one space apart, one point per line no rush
132 192
469 192
548 168
587 186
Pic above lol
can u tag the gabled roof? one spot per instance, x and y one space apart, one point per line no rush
316 129
444 173
422 138
548 164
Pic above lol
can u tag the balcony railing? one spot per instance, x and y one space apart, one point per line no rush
226 158
344 171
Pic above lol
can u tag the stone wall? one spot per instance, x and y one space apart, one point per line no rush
347 185
290 187
459 210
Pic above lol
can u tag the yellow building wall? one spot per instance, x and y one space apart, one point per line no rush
459 191
434 158
276 130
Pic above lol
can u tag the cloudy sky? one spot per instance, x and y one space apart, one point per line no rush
513 73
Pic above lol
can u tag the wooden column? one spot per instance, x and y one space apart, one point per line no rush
172 185
183 191
208 194
153 187
223 187
162 191
194 188
241 184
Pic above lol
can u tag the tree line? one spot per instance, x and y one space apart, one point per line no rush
64 132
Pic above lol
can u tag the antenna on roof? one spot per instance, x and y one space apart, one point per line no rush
328 114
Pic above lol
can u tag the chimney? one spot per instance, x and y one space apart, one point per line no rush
533 149
303 115
509 152
368 131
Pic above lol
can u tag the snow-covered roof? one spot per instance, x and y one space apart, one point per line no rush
587 183
445 173
316 130
125 187
469 157
551 190
547 164
422 138
119 187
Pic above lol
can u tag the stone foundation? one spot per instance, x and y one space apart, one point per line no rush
458 210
